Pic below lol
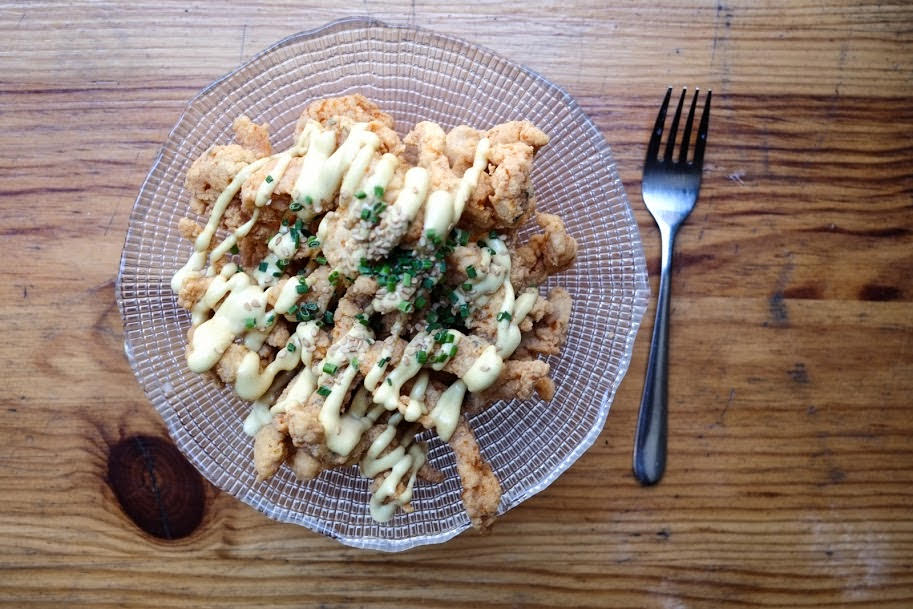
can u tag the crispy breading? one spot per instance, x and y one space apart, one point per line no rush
270 450
252 136
548 335
481 489
519 379
545 253
212 172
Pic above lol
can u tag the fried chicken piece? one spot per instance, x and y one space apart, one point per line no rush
353 303
227 368
189 229
304 465
270 450
544 254
192 290
548 335
430 141
252 136
503 198
481 489
356 106
210 174
279 335
460 147
519 379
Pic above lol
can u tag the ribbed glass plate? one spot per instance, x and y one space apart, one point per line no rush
413 75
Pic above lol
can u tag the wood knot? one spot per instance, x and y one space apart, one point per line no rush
156 486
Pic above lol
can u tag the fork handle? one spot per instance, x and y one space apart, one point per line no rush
652 424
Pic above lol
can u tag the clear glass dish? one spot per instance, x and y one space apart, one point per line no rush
413 75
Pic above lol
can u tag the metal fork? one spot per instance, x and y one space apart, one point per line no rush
670 189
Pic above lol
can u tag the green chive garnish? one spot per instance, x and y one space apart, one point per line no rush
250 323
263 266
383 362
234 249
405 306
421 357
290 347
324 391
504 315
296 206
302 288
471 272
320 260
313 242
360 195
269 179
378 191
330 368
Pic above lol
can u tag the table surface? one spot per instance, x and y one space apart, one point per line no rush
791 453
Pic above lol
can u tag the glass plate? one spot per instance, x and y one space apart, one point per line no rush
413 75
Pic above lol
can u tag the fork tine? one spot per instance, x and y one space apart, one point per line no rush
653 146
686 138
670 145
702 133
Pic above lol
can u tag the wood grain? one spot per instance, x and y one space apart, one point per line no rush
791 435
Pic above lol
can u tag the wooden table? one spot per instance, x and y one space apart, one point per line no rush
791 456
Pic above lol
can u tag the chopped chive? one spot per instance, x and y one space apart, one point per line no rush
292 310
428 283
304 315
282 263
320 260
439 336
389 382
313 242
330 368
448 338
440 358
263 266
308 200
277 274
312 306
433 237
432 316
291 347
333 277
354 362
391 285
296 206
442 266
493 235
319 323
463 237
270 319
362 319
284 221
250 323
405 306
452 296
504 315
269 179
420 302
378 191
365 213
234 249
464 311
383 362
407 278
360 195
421 357
302 288
467 287
299 225
328 317
427 264
471 272
324 391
